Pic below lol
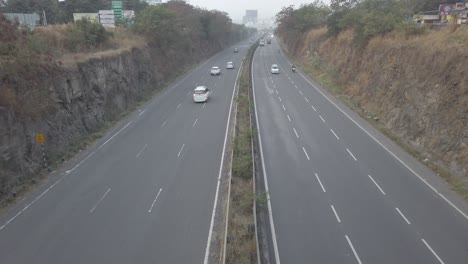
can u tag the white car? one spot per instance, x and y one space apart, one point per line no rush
230 65
201 94
215 70
274 69
261 43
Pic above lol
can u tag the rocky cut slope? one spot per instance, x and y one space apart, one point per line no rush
417 85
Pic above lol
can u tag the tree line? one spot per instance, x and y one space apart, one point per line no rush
367 18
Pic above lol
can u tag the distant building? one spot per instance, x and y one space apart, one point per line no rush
154 2
28 20
251 17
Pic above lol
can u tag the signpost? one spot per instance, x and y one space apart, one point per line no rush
118 9
40 138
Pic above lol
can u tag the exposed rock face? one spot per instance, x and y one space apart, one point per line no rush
418 90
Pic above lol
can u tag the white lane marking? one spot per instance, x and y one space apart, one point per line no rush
118 132
336 214
295 132
31 203
289 118
335 134
265 177
301 92
102 198
79 164
194 123
189 92
320 182
292 82
307 100
403 216
141 151
179 106
180 151
142 112
295 86
284 108
354 251
351 154
274 86
433 252
164 124
323 120
390 152
280 99
276 91
305 152
155 199
314 108
376 184
204 104
213 213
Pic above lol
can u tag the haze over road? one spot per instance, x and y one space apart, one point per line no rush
142 194
340 191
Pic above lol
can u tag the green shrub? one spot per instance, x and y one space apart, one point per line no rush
85 35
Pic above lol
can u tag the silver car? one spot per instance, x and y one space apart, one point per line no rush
201 94
274 69
215 70
230 65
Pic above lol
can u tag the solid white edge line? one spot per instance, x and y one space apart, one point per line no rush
295 132
194 123
180 151
320 182
433 252
305 152
376 184
351 154
354 250
389 151
102 198
141 151
403 216
336 214
265 178
113 136
213 214
155 199
335 134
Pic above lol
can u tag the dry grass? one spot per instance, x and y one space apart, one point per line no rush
241 241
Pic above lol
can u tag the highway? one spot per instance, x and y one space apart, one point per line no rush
340 191
144 193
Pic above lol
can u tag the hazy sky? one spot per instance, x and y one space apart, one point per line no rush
236 8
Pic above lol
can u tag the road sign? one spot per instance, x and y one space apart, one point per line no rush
40 138
118 9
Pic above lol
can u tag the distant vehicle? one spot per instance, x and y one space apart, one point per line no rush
230 65
268 41
293 68
261 43
236 50
215 70
274 69
201 94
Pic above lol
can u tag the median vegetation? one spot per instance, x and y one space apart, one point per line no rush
241 237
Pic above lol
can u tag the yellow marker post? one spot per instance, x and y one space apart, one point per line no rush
40 138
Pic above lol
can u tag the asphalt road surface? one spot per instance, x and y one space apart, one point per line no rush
341 192
142 194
